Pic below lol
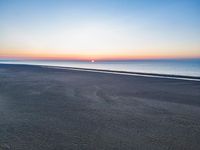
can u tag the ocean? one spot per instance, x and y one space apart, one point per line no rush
184 67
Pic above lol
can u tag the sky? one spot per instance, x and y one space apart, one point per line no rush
99 29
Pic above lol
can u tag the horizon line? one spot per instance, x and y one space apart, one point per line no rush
98 59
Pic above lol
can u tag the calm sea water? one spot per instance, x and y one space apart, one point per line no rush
189 67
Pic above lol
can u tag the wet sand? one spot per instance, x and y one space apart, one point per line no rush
59 109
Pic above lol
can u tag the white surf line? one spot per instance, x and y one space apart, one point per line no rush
123 73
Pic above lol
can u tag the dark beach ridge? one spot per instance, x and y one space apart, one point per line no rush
43 108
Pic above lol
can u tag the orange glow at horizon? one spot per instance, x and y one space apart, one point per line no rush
93 56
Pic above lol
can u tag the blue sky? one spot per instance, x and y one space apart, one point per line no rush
99 28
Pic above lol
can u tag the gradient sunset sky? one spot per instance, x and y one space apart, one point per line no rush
99 29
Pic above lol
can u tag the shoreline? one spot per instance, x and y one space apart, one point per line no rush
151 75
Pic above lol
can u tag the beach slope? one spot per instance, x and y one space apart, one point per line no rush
58 109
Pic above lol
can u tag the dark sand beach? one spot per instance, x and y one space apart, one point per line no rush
57 109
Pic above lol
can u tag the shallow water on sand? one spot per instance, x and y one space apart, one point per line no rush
186 67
